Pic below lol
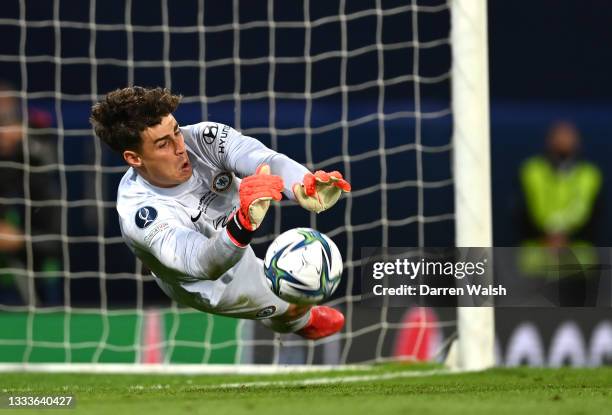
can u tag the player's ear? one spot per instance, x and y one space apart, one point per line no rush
132 158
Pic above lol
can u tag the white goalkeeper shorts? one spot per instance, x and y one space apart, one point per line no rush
249 296
245 294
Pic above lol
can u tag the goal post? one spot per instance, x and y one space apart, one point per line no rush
472 167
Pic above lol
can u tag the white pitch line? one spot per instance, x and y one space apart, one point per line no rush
174 369
328 380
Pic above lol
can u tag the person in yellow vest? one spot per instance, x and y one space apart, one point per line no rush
561 203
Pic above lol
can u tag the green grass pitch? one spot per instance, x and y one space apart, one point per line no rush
388 389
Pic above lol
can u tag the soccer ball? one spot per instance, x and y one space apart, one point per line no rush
303 266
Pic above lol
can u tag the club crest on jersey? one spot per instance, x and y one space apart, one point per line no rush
266 312
145 216
210 133
222 181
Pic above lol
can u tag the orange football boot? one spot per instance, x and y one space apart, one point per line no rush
324 321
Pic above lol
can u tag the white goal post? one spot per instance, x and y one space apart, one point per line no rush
472 167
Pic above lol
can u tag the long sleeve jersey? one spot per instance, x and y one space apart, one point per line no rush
178 232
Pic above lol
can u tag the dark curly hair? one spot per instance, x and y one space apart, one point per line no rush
124 113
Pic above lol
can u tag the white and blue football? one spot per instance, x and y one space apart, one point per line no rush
303 266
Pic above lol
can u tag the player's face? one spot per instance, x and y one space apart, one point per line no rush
163 160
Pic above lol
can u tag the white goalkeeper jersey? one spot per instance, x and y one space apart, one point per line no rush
178 232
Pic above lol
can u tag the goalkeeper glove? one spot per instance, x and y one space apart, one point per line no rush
320 190
256 192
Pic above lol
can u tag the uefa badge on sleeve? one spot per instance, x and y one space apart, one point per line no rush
145 216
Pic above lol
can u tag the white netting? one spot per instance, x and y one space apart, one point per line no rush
361 87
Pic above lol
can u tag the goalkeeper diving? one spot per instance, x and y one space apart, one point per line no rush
192 200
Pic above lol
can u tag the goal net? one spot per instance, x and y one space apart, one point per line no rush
359 87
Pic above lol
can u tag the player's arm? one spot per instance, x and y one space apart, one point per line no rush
182 249
316 192
190 253
229 149
244 154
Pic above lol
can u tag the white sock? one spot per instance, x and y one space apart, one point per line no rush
291 326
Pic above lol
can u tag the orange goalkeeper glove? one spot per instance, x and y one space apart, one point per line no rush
321 190
256 192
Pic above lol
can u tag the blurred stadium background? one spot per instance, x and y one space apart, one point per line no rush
549 61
